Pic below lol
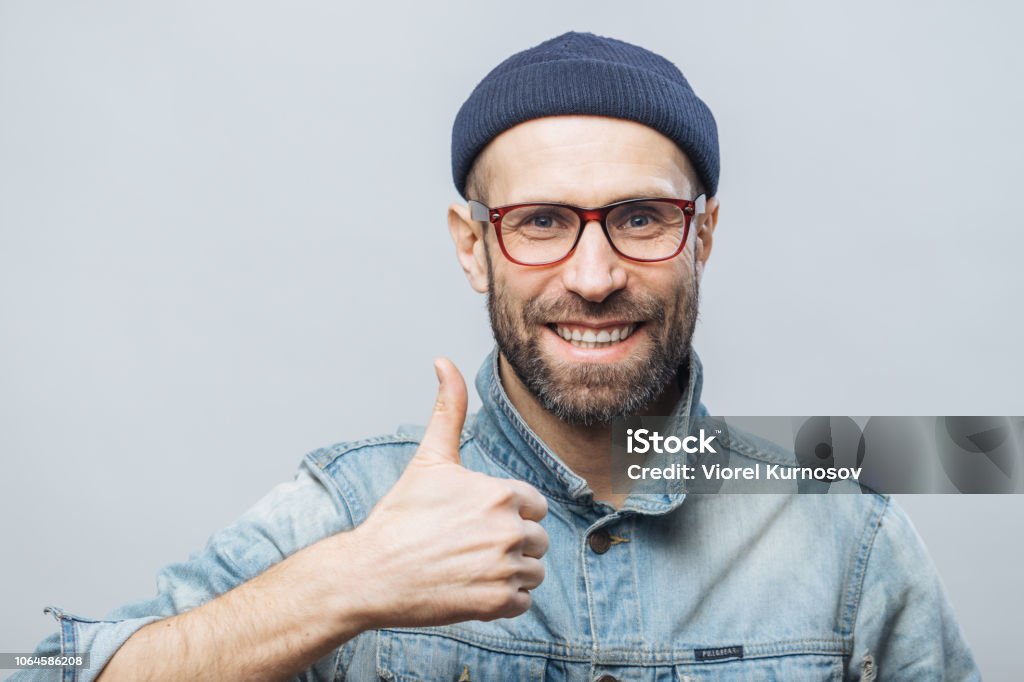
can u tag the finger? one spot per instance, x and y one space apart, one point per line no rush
532 505
440 442
531 575
517 605
536 541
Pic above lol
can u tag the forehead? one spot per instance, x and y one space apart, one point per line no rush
584 160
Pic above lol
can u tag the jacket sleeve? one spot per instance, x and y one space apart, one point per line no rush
291 516
905 628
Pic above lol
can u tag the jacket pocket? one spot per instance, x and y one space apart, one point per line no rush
426 656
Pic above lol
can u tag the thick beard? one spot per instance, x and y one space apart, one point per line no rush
586 394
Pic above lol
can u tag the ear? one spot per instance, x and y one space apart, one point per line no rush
705 225
468 236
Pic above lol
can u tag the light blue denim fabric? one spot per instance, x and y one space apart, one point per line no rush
812 587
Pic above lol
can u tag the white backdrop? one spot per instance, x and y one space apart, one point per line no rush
223 244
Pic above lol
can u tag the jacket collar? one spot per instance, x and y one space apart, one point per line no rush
507 438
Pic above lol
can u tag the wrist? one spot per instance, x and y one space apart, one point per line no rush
351 583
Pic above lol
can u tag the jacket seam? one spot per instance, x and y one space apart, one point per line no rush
855 586
68 630
329 483
534 443
581 653
339 480
339 450
501 465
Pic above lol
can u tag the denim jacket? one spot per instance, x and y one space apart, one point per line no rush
669 587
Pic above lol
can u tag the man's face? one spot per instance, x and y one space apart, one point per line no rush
630 324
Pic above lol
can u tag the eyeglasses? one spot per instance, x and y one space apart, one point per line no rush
642 230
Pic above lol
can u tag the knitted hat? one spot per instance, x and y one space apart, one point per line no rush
582 73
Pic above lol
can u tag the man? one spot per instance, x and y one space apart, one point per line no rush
496 547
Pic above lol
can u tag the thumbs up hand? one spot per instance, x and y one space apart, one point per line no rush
448 544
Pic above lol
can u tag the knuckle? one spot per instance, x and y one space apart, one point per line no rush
505 601
501 598
500 494
503 568
513 600
512 536
440 407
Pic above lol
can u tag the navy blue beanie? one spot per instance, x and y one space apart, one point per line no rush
582 73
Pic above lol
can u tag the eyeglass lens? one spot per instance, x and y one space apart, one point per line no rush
646 230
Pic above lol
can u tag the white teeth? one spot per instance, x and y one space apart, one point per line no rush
590 339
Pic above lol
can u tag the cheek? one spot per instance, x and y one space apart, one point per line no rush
518 285
666 282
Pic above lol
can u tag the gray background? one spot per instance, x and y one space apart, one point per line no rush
223 244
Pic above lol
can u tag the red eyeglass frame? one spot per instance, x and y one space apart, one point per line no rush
493 216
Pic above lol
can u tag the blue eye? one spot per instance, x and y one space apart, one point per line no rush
539 221
639 221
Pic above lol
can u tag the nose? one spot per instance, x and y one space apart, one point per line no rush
594 271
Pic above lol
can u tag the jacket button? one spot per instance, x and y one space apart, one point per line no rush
600 541
607 678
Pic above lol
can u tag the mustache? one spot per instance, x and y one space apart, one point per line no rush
619 305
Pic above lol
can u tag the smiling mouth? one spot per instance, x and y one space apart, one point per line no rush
583 336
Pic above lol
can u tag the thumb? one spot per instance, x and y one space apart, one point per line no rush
440 444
